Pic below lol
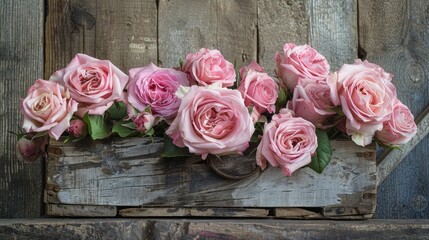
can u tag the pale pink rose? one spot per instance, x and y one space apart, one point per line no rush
209 66
288 142
212 121
143 121
400 128
300 64
47 107
366 95
78 128
258 89
313 103
156 87
95 84
29 149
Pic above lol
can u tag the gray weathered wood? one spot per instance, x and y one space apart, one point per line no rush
21 62
211 229
333 30
279 22
394 34
187 26
60 210
194 212
129 172
124 32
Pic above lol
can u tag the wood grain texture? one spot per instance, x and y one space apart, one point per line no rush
129 172
130 229
333 30
279 22
395 35
227 25
194 212
21 62
124 32
60 210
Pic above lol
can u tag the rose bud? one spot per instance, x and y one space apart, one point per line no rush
78 128
144 121
29 150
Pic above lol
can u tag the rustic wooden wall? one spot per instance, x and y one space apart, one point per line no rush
133 33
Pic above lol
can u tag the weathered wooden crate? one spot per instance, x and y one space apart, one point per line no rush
127 177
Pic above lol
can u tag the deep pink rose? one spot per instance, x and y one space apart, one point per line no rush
258 89
29 149
313 103
143 121
300 64
47 107
288 142
156 87
212 121
78 128
400 128
209 66
95 84
366 95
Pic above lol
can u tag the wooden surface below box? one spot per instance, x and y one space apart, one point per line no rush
127 177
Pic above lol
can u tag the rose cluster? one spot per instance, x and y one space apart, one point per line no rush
206 108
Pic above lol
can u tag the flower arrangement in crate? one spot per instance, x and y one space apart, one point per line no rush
202 107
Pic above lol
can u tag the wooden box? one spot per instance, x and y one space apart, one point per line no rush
127 177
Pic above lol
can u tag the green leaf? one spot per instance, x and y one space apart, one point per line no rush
150 132
323 153
117 111
97 126
171 150
281 100
122 130
129 125
181 63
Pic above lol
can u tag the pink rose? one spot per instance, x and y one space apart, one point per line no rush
212 121
156 87
258 89
400 128
301 64
313 103
29 149
94 83
287 142
143 121
366 95
47 107
209 66
78 128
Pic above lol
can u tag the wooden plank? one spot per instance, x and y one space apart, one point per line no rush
194 212
296 213
333 30
394 34
124 32
21 62
187 26
60 210
279 22
211 229
129 172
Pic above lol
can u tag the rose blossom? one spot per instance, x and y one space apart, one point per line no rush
47 107
78 128
155 87
287 142
258 89
300 64
143 121
313 103
209 66
94 83
29 149
366 95
400 128
212 120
